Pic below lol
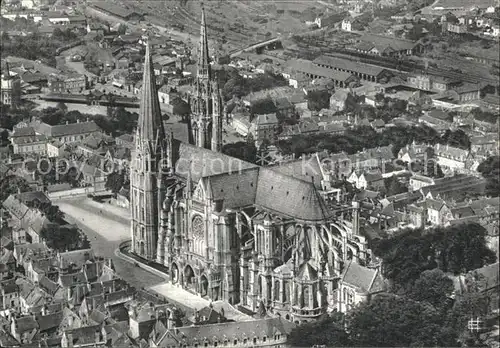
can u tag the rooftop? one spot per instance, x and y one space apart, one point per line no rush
349 65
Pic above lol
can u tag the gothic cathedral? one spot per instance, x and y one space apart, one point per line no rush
227 229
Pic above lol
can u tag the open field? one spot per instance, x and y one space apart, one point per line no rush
111 222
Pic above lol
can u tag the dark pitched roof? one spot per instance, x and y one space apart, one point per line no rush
114 9
289 196
242 183
202 162
49 321
27 323
31 196
15 207
68 129
76 257
23 132
228 331
237 189
308 67
349 65
303 169
363 278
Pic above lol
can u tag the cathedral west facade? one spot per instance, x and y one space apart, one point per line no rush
228 229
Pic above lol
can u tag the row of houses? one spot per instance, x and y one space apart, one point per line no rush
39 138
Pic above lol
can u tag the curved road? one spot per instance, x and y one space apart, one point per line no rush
106 227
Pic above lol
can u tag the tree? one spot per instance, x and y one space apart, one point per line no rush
52 116
404 257
61 106
245 151
489 169
181 108
329 331
433 286
54 214
393 186
12 185
122 29
456 249
462 248
469 305
395 321
456 138
115 181
263 106
317 100
4 137
64 238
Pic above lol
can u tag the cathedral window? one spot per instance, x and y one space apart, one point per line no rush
142 232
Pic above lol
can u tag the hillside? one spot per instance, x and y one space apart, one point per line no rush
235 23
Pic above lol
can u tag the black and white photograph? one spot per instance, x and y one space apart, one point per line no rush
249 173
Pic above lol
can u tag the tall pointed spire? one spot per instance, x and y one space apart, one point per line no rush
6 74
150 122
203 57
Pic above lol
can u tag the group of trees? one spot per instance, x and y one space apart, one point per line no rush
234 85
317 100
419 308
357 139
12 184
491 172
64 237
119 121
244 150
455 249
38 47
116 180
354 140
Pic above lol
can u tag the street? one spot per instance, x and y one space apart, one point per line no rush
106 227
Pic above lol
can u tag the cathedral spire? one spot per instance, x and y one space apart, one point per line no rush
6 74
203 57
150 121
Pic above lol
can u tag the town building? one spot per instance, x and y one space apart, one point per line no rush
228 229
367 180
305 71
361 70
106 10
381 45
68 84
330 20
35 144
451 158
264 127
66 133
358 284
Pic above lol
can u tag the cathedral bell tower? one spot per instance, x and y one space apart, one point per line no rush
206 104
148 168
